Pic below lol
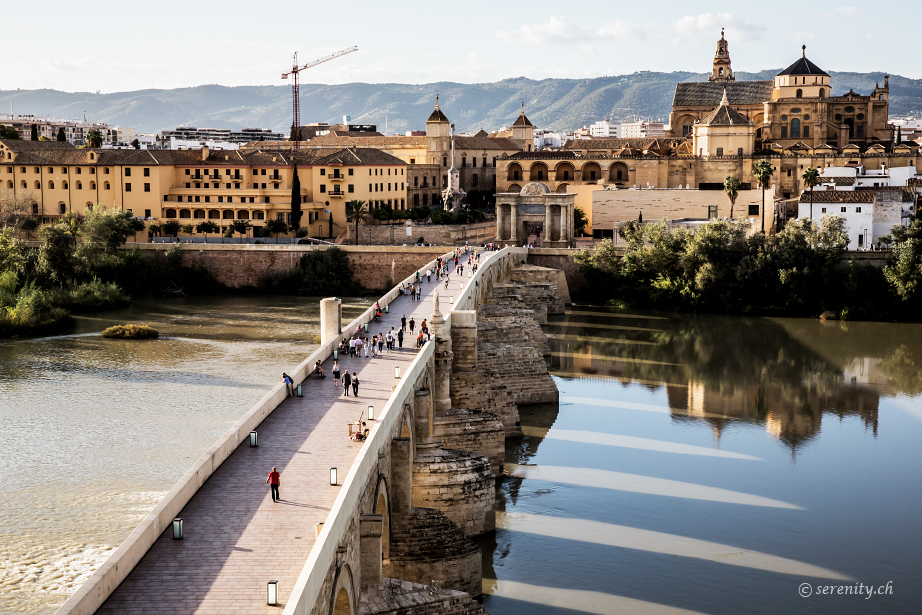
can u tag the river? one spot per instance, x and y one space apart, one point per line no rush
96 431
720 465
695 464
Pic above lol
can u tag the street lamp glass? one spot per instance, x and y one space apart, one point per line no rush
272 593
371 413
332 476
177 529
254 441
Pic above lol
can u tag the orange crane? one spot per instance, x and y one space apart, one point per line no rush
295 92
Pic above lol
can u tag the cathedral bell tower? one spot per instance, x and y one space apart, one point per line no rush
722 70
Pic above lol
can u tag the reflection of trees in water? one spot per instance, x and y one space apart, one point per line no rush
774 373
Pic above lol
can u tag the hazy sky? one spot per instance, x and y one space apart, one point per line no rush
116 46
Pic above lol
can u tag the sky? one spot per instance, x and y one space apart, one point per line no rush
121 46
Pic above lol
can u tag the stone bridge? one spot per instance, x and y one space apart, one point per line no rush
395 534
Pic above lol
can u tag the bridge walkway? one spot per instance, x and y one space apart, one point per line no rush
235 538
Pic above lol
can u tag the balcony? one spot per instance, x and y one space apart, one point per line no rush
336 194
336 177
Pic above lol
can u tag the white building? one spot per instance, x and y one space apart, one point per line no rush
75 131
548 139
604 129
641 129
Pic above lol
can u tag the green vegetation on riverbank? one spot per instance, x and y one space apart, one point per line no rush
131 332
318 273
719 269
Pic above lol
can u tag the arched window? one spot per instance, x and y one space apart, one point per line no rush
243 215
185 213
23 184
50 185
228 214
799 94
822 92
170 213
721 72
38 186
105 186
64 185
62 208
92 185
79 185
214 214
9 184
795 128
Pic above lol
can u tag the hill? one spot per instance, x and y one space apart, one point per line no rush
561 104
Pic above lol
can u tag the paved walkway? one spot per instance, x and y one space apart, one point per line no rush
236 538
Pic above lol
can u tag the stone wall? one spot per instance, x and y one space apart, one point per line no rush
460 484
437 234
559 259
472 430
240 266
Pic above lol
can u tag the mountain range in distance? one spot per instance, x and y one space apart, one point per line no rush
557 104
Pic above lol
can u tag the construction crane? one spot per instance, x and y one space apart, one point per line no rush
295 92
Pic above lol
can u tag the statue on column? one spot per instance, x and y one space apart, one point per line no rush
453 195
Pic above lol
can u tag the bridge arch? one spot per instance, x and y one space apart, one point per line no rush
343 597
382 506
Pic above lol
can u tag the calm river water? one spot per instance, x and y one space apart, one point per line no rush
96 431
703 464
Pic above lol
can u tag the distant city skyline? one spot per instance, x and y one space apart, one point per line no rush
108 46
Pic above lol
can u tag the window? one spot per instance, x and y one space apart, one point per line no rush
857 210
146 172
220 199
860 116
146 187
350 188
127 187
187 172
79 170
170 213
350 172
795 110
824 210
106 186
227 186
323 188
838 117
444 161
79 185
62 208
198 199
262 172
849 109
252 200
127 171
843 210
474 179
463 162
236 185
753 210
859 131
739 152
323 171
388 186
51 185
795 128
265 199
412 160
255 171
34 208
147 213
784 132
720 152
230 199
822 92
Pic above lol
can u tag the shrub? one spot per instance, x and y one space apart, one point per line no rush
131 332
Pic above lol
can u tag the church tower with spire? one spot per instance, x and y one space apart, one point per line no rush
722 70
438 137
523 131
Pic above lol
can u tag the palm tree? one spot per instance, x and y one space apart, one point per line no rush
356 212
732 187
93 139
762 172
811 178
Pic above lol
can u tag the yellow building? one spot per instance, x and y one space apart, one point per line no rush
724 131
191 186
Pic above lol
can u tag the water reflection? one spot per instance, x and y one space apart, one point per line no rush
782 373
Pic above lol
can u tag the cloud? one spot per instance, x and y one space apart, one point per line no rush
847 10
559 31
738 29
676 41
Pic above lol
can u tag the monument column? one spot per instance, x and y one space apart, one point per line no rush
548 226
564 219
500 219
514 224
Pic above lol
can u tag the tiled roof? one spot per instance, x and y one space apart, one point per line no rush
357 139
356 133
838 181
437 115
522 120
481 133
552 155
486 143
725 115
709 93
639 143
803 66
906 192
18 145
837 196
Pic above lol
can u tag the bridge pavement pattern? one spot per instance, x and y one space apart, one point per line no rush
235 538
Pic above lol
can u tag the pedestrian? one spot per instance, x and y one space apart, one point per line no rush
358 346
274 481
374 346
380 344
400 338
347 382
403 323
447 280
288 382
355 385
367 343
319 370
412 324
428 275
417 275
424 327
419 292
335 373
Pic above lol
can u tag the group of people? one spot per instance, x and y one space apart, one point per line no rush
348 380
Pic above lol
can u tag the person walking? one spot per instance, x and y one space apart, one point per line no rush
400 338
374 346
380 344
367 344
335 371
412 324
355 385
428 275
274 481
347 382
403 323
288 382
358 346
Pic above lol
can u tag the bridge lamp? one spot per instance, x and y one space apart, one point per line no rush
254 441
371 413
272 593
451 300
336 355
333 476
397 372
365 327
300 393
177 529
387 309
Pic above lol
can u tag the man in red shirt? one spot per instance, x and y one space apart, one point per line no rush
274 480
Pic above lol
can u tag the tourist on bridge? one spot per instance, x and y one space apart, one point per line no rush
319 370
288 382
403 322
358 346
412 324
335 373
428 275
381 344
400 338
419 292
274 481
374 346
347 382
355 384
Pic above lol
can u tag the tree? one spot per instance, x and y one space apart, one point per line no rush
56 256
61 136
295 199
732 185
207 226
153 228
356 212
108 229
188 229
579 221
12 252
762 172
275 227
136 144
9 133
240 226
93 139
171 228
35 132
811 178
13 208
904 270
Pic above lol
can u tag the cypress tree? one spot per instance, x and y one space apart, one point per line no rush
34 132
61 136
295 199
